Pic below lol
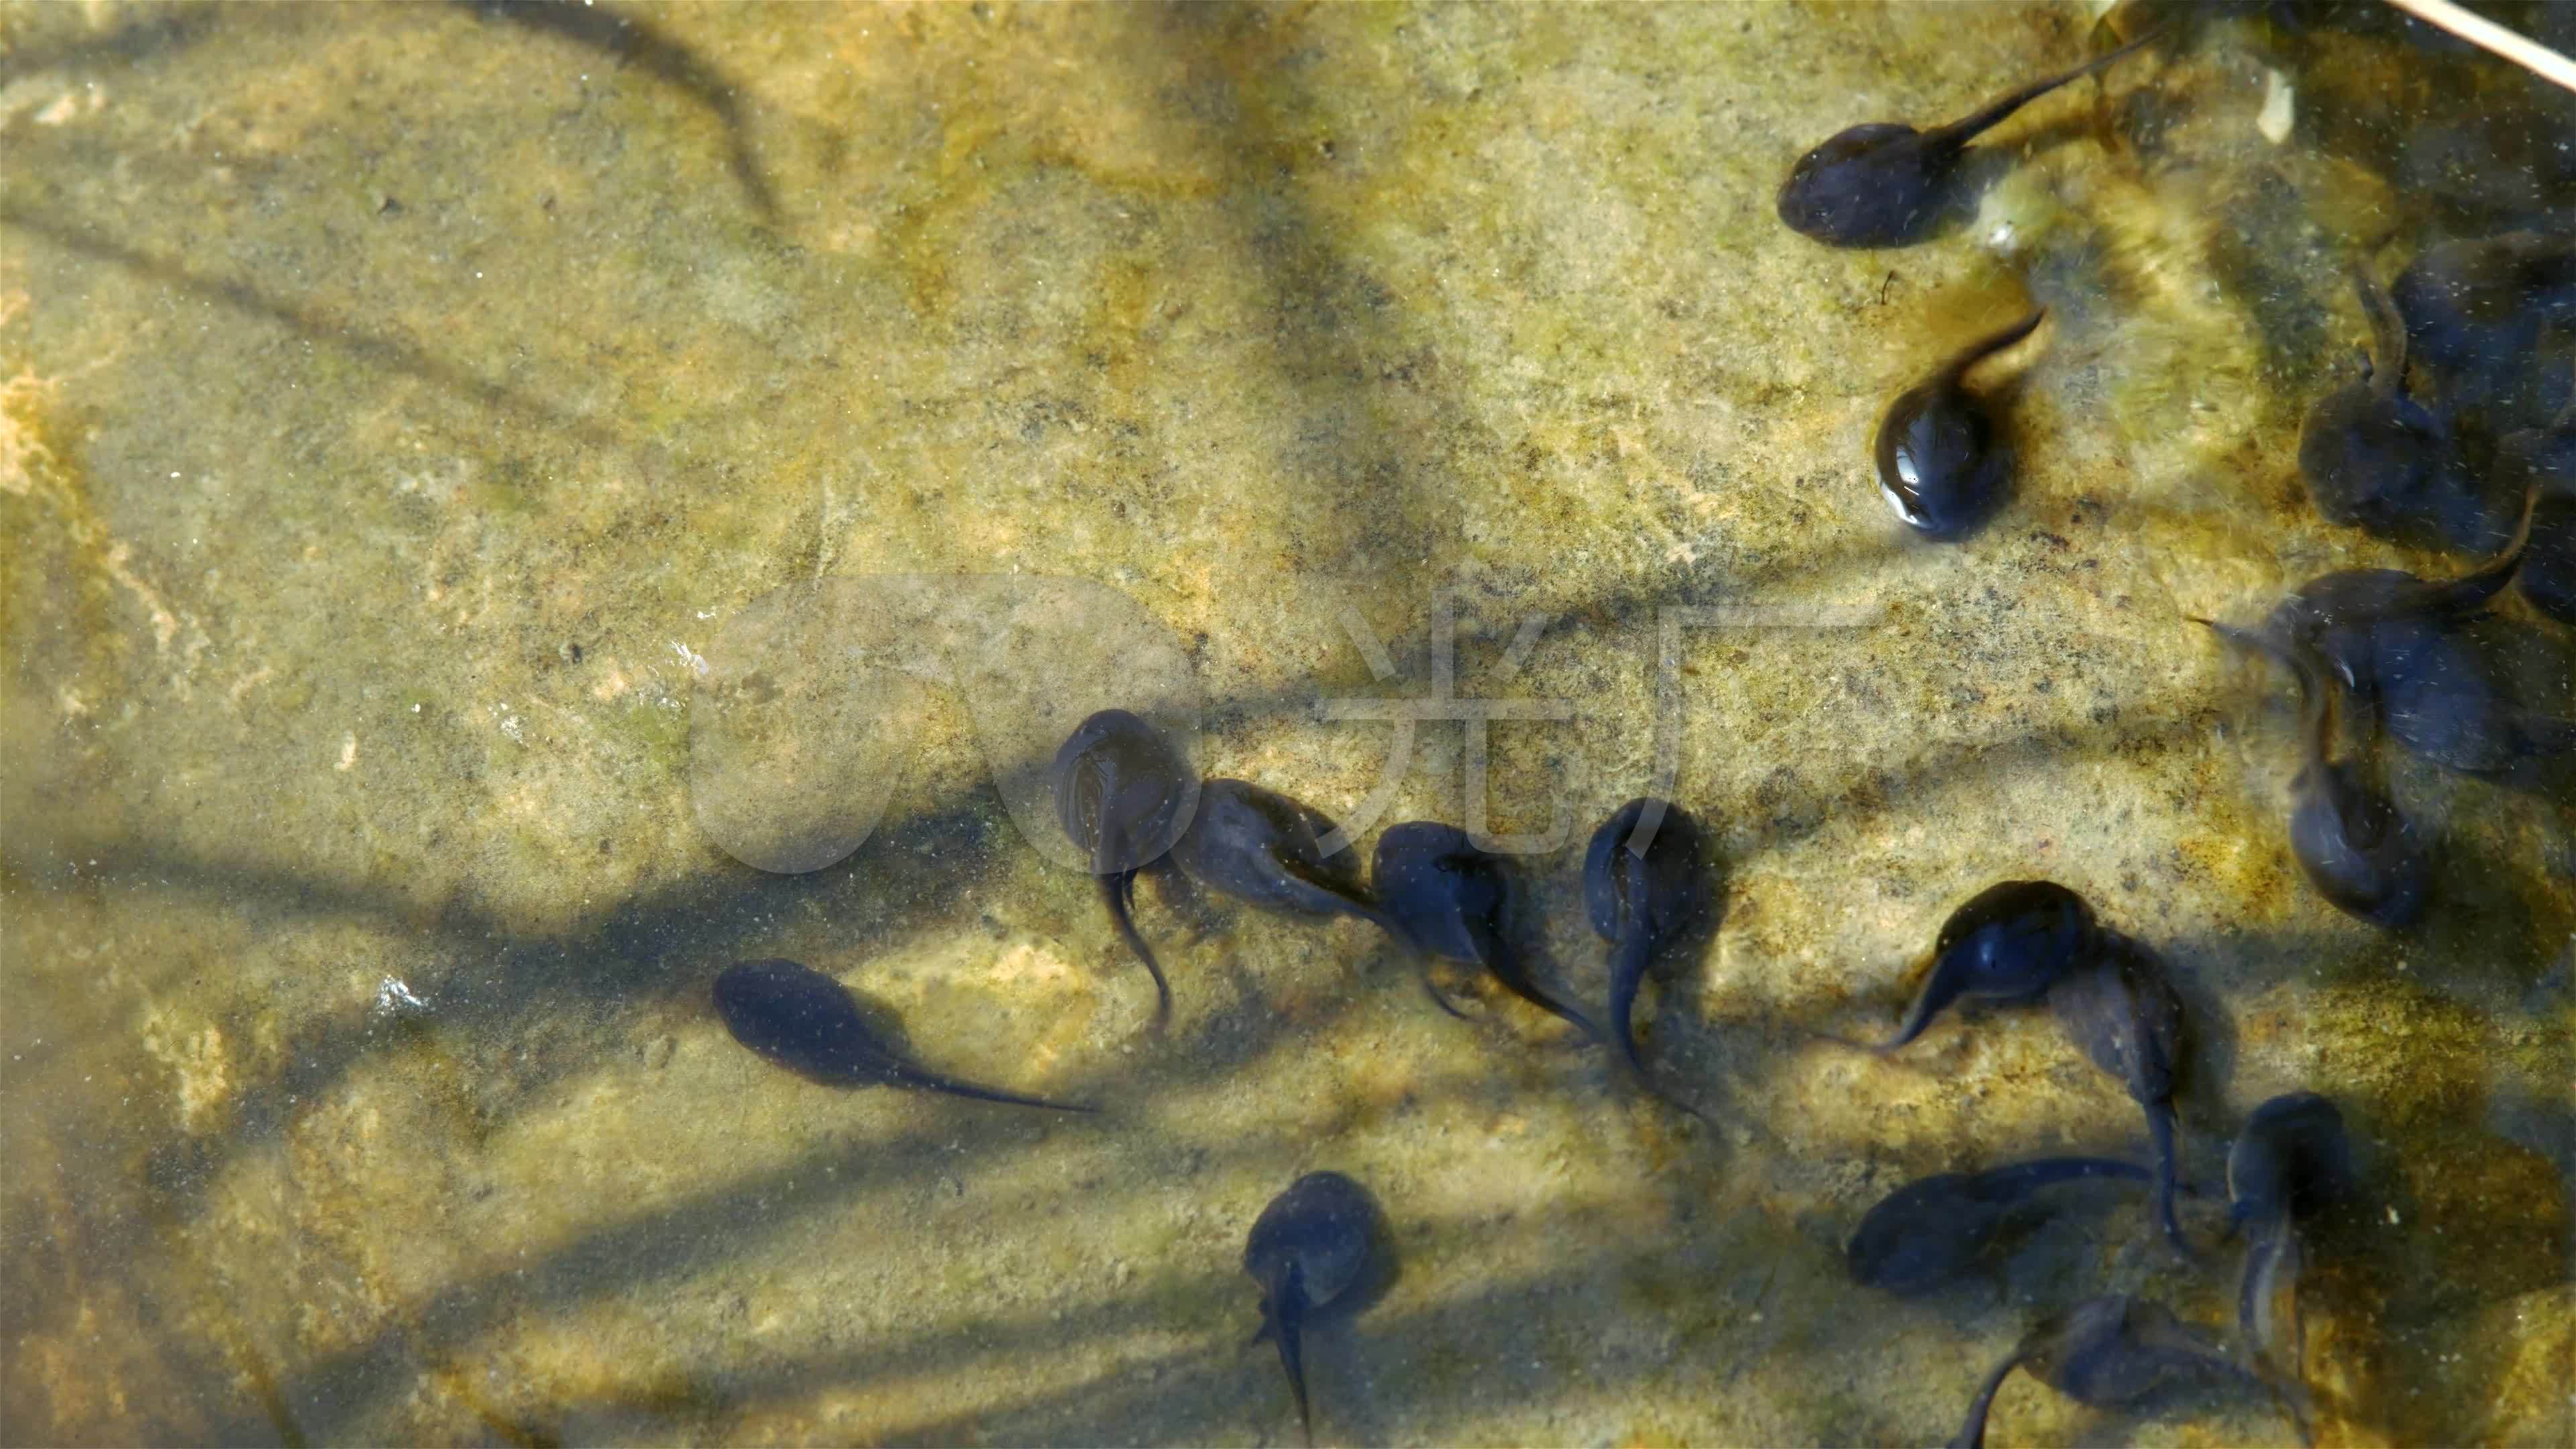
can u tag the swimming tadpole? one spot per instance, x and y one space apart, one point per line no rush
2360 851
796 1017
2110 1352
1450 899
1314 1247
1124 793
2291 1163
2006 946
1644 896
2121 1011
1886 184
1267 850
1943 465
2375 457
1933 1229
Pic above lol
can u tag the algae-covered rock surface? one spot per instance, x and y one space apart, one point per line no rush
511 510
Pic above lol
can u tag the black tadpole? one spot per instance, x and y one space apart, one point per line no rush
2108 1353
2290 1163
1267 850
1308 1250
1931 1230
1644 884
2007 945
2421 651
2357 848
1943 466
1124 794
1449 898
2124 1015
2376 458
800 1019
1886 184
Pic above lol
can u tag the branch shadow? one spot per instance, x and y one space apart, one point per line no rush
1334 333
153 37
1228 1383
323 329
1213 1394
725 1222
631 41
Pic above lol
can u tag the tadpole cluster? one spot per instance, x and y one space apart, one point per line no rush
2455 430
2037 946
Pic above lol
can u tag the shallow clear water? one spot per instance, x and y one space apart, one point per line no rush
508 513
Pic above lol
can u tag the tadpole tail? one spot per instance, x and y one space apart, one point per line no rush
2160 1127
1940 988
1966 128
2387 333
1288 1317
1118 888
1431 989
628 39
1530 993
933 1081
1972 1432
1627 973
2275 1250
1992 343
2024 1177
1509 970
2246 639
2293 1384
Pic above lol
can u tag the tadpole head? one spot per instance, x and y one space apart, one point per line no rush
1872 185
1123 790
1646 864
2010 940
1942 467
2364 855
2293 1157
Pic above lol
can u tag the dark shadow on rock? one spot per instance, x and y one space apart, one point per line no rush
631 41
1214 1395
1335 331
2449 1218
331 1397
1230 1387
154 37
2206 1067
322 329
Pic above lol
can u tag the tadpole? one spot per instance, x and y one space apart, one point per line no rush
1886 184
2376 458
1943 466
2008 944
2110 1352
1124 794
1931 1230
1450 899
1310 1248
1645 890
798 1018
